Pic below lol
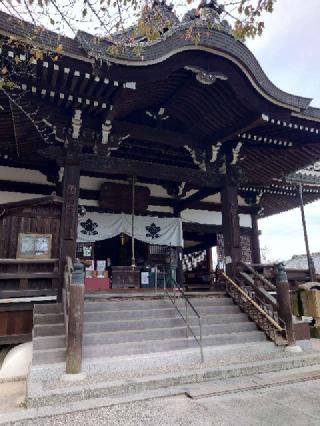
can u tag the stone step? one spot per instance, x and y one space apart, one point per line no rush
169 312
48 356
119 305
45 341
48 308
42 355
172 383
39 319
55 329
149 323
48 330
143 347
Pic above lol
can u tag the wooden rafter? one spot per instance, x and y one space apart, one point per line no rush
232 132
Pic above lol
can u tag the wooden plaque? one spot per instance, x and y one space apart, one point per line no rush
34 246
119 197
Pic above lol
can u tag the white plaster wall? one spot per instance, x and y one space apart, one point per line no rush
23 175
245 220
163 209
93 203
216 198
189 193
206 217
201 216
10 197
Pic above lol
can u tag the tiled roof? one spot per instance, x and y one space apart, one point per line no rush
309 175
300 262
218 40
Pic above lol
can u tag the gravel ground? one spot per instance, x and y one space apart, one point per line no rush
294 404
12 395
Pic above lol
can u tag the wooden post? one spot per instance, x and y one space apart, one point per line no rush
284 302
180 274
69 217
75 321
230 221
311 268
209 259
255 243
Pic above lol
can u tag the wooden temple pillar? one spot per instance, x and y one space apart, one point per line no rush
230 220
69 217
209 259
180 273
255 243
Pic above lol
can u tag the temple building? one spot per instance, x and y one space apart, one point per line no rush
141 161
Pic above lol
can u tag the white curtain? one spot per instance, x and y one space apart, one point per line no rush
153 230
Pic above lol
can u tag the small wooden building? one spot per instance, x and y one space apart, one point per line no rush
27 277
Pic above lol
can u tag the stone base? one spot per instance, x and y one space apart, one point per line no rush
295 349
315 332
73 377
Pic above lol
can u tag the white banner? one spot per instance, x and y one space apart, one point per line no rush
153 230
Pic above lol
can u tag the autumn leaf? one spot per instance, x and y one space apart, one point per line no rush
59 49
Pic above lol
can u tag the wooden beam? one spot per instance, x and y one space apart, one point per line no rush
112 165
198 196
152 134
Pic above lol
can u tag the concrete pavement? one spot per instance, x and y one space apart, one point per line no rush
284 404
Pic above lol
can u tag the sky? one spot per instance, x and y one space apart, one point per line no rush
289 53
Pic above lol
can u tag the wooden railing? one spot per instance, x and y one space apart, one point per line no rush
257 278
28 277
264 315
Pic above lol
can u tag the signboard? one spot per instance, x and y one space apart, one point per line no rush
145 278
34 246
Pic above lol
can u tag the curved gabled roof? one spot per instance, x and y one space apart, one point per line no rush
214 41
86 47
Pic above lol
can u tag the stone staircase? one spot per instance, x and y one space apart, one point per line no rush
122 327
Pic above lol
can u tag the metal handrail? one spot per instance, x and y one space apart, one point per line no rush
267 316
185 319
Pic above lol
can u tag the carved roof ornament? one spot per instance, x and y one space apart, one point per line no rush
209 11
236 153
159 115
106 130
159 17
162 15
205 77
198 157
214 152
76 123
